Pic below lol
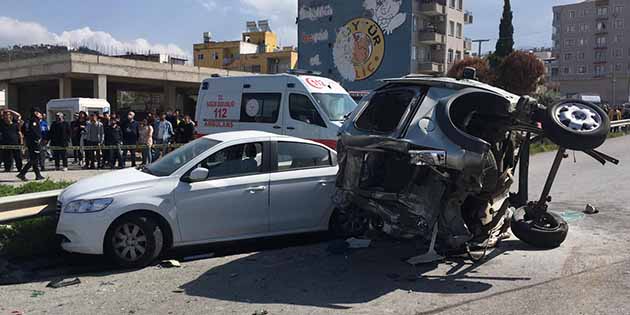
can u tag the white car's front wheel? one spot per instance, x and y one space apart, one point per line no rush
134 241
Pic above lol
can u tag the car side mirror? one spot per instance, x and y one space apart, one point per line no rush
198 174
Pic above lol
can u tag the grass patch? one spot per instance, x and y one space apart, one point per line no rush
33 236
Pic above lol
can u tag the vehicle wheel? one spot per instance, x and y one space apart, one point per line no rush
134 242
348 222
548 232
576 125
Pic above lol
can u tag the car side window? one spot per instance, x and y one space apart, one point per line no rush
302 109
238 160
260 107
292 155
385 110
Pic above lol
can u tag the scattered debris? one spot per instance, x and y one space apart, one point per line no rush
106 283
171 263
572 216
36 293
178 291
358 243
590 209
198 257
63 283
260 312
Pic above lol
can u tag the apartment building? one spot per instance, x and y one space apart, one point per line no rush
257 51
591 44
361 42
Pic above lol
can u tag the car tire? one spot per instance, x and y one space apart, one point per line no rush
348 222
576 125
549 233
134 241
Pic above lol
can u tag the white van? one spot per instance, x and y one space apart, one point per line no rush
304 106
71 106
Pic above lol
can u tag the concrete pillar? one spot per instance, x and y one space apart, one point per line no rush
65 88
170 97
100 86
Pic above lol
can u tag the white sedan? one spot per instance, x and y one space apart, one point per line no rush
221 187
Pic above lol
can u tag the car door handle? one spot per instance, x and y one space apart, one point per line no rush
253 190
290 128
277 127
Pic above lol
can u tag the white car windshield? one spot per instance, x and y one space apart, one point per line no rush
336 106
178 158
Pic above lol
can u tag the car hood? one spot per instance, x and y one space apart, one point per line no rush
108 184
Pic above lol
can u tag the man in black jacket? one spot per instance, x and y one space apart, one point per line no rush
32 139
11 135
113 137
130 137
59 136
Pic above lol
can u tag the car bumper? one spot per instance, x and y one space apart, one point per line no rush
82 233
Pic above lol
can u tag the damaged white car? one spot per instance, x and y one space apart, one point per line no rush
424 156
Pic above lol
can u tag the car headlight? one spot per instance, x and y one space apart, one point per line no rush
87 206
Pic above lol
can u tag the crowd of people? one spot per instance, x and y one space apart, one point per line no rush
99 140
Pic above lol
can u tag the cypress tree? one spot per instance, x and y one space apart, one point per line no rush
505 44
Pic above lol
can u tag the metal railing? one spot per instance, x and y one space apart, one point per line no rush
620 123
26 206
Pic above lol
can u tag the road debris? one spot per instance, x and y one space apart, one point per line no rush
198 257
590 209
260 312
36 293
178 291
56 284
358 243
171 263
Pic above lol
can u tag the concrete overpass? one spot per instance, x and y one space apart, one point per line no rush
126 84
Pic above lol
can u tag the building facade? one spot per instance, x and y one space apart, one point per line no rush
256 52
592 49
361 42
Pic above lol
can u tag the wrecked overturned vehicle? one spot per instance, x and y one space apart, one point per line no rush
424 156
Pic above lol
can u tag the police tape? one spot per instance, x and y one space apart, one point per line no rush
99 147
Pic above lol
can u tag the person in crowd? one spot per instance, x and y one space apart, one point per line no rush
171 116
186 130
163 133
114 138
145 138
130 138
78 128
10 134
107 138
94 136
59 136
32 138
43 125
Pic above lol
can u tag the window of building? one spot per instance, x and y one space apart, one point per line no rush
584 12
571 28
618 52
572 14
618 10
452 4
583 42
556 16
459 30
260 107
292 156
458 55
414 53
581 55
569 43
215 56
599 69
302 109
568 56
583 28
601 26
600 56
451 28
619 24
460 4
619 67
567 70
450 56
602 11
601 41
581 69
200 57
619 38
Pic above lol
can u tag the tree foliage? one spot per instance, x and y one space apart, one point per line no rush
520 73
484 73
505 44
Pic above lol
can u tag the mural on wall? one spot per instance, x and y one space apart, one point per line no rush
320 36
315 13
315 61
359 49
386 13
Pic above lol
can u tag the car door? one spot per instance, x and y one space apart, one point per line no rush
301 187
234 200
302 119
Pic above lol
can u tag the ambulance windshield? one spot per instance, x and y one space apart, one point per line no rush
336 106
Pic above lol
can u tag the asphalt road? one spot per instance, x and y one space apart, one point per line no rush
589 274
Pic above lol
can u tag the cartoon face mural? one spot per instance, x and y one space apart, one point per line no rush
386 13
359 49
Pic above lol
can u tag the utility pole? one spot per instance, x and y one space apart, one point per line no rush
480 41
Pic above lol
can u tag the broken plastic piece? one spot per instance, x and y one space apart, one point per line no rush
358 243
63 283
590 209
172 263
431 255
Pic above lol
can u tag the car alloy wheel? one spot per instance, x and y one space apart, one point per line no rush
578 117
129 242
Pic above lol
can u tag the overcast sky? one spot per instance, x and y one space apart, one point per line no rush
173 26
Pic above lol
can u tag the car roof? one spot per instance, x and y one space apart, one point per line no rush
446 81
254 134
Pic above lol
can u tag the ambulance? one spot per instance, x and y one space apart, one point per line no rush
293 104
